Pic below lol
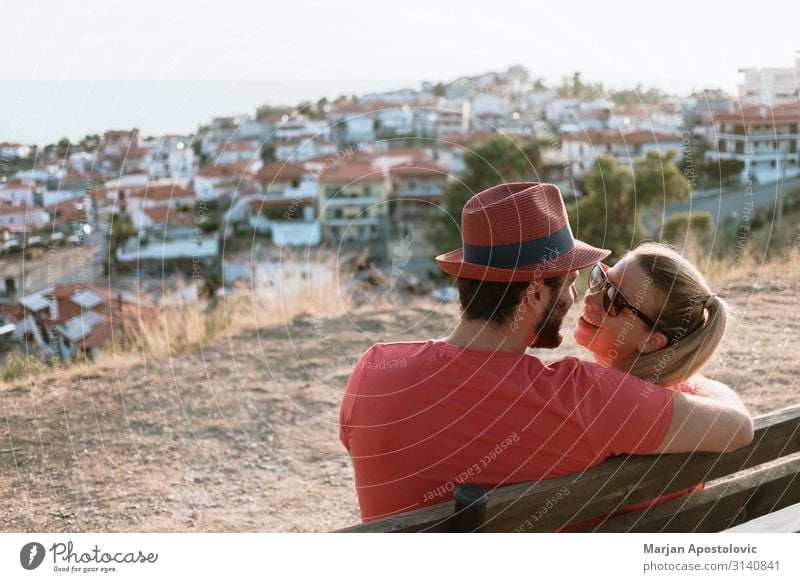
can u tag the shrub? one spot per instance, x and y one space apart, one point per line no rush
678 227
19 365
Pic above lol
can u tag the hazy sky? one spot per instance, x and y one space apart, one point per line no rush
309 48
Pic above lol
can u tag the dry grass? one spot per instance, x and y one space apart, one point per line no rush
178 325
182 325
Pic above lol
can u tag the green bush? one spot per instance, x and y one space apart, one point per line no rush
209 225
19 365
678 226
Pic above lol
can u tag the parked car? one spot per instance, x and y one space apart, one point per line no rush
35 241
11 246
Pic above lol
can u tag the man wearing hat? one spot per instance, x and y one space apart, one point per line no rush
474 407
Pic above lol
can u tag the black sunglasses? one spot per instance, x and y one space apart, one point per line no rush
613 300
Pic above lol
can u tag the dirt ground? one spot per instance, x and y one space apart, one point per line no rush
242 435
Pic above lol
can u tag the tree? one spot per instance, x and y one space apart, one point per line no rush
618 201
439 89
678 226
577 84
62 147
575 87
120 230
310 110
608 189
658 178
267 153
721 172
503 159
197 148
637 96
90 142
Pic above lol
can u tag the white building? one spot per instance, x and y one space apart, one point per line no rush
17 192
766 141
240 149
14 150
770 86
22 218
359 128
394 121
303 148
582 148
399 96
296 127
483 103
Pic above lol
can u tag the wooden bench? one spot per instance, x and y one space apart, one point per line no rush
756 481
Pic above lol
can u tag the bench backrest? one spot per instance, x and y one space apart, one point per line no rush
545 506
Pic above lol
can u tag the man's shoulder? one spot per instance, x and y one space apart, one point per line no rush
591 374
394 354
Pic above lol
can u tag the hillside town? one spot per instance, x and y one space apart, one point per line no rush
86 224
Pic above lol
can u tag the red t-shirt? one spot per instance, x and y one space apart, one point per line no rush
420 418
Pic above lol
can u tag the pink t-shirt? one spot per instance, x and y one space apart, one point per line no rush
420 418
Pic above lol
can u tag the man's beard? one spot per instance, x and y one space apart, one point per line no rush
549 333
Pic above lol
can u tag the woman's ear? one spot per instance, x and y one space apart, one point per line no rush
654 342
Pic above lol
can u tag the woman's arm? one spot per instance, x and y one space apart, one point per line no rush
712 419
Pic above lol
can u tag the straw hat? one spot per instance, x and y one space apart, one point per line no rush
517 232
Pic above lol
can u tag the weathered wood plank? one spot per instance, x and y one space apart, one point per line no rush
614 484
719 506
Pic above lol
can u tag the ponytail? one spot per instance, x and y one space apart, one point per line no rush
692 317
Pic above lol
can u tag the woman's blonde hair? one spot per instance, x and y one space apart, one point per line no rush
692 317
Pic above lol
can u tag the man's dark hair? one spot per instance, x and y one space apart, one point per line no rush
493 301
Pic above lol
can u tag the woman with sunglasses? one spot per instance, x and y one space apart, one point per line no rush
652 315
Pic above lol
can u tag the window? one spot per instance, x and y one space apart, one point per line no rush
367 191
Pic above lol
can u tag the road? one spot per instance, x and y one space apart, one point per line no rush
731 204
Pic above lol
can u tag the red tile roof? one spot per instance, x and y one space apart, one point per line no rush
418 167
237 168
66 210
260 204
632 138
160 192
280 171
18 209
239 146
170 216
470 139
762 114
351 171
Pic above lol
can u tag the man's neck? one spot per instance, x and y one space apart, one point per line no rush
487 336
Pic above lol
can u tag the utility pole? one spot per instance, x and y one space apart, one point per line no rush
781 180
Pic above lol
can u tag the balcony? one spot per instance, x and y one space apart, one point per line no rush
420 192
757 135
354 201
360 221
755 157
